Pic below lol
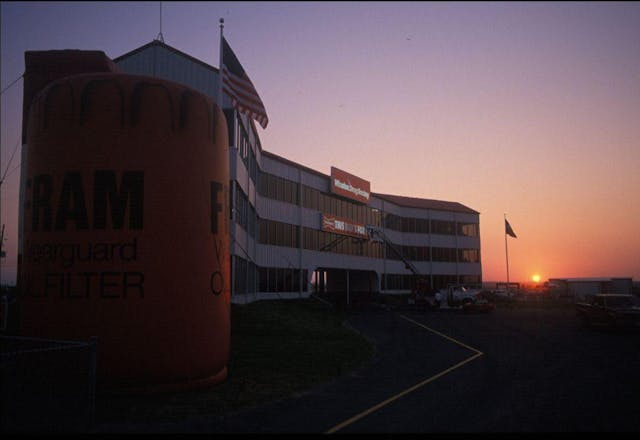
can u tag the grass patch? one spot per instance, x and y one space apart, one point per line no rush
278 348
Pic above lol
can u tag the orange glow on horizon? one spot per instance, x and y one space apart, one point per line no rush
535 278
567 187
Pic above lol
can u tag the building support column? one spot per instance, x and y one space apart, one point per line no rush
347 287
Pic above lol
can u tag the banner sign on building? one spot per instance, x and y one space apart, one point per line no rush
350 186
343 226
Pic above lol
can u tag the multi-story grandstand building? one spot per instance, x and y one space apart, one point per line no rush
295 230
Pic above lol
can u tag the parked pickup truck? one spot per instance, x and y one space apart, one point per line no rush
610 310
467 299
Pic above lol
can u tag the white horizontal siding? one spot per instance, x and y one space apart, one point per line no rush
163 63
278 211
321 183
279 168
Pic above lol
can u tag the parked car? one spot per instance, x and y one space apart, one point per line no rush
610 310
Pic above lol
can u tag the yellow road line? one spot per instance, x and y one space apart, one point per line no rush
440 334
355 418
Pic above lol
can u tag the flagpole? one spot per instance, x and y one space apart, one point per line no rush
220 66
506 250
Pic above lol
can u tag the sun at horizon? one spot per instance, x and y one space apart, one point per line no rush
535 278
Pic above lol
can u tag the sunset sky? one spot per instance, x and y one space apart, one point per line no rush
526 109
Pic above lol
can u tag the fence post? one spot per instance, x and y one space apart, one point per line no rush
92 380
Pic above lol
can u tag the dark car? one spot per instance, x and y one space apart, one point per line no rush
610 310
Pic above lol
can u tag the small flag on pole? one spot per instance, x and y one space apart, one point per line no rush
508 230
238 86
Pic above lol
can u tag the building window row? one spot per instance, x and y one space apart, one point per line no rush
407 282
468 229
428 226
247 277
282 279
284 190
244 213
278 233
469 255
316 240
441 254
334 205
284 234
277 188
240 139
244 276
392 281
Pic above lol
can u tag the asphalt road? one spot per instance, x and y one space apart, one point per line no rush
513 370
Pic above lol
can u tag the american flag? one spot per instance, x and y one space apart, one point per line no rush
239 87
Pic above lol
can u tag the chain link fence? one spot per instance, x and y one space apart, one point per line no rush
47 385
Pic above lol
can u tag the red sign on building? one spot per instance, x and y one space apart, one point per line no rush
350 186
343 226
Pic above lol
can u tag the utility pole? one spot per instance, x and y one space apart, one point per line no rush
2 253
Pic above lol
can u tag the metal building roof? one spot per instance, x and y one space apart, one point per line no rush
165 46
410 202
415 202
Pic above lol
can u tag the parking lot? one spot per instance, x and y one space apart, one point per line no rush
512 370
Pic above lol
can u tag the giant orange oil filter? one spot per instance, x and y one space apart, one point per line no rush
125 232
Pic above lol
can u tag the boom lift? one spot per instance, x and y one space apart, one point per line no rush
421 292
453 296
